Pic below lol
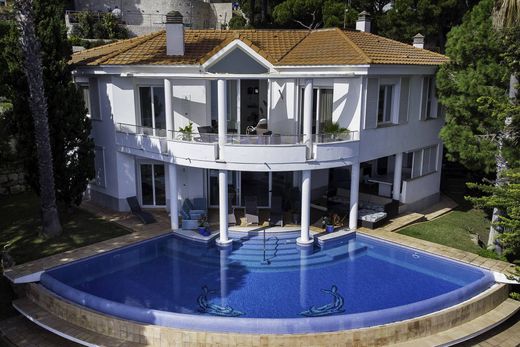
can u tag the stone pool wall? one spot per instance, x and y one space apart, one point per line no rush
152 335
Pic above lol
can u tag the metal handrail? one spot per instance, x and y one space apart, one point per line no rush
235 139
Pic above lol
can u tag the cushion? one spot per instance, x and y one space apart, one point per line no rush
185 215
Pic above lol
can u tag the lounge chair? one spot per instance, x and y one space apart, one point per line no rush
251 209
231 212
276 217
144 216
194 211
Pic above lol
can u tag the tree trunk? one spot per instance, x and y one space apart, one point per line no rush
264 11
252 4
502 165
32 63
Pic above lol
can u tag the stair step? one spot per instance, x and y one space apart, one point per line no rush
46 320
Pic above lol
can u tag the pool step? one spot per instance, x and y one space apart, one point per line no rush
74 333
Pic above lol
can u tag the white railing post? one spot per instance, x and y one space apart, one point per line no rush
398 169
304 239
222 115
172 182
223 239
168 110
307 116
354 196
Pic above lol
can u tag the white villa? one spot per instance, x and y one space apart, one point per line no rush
263 105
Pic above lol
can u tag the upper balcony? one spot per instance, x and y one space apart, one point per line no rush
267 152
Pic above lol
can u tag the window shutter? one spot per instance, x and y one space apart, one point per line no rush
424 96
94 98
372 100
403 100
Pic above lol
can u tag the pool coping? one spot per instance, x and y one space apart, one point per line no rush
494 265
153 335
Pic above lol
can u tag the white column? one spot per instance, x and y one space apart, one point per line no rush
168 110
222 115
354 196
307 117
304 238
398 169
174 209
223 239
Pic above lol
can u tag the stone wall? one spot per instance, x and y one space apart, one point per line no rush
12 180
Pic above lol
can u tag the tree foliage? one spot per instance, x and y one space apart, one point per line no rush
475 71
507 198
434 19
99 26
69 127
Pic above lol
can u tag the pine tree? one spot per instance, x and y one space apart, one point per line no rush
69 128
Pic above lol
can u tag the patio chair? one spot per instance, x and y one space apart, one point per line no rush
276 214
145 217
189 208
259 129
251 209
231 212
205 133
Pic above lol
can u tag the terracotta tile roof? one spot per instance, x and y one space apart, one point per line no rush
279 47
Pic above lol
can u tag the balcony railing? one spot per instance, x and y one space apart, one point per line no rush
235 139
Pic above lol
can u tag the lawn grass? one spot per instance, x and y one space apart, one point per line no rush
453 229
20 228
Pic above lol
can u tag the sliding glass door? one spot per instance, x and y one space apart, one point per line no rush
153 184
152 113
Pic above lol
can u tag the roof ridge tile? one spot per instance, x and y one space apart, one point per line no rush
356 47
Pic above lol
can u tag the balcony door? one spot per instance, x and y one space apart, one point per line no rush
151 111
152 184
322 105
252 103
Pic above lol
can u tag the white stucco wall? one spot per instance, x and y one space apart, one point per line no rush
191 102
415 134
282 116
347 102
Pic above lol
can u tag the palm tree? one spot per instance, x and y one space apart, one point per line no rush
32 63
505 15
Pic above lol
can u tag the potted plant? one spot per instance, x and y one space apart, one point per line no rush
327 224
203 226
335 131
186 132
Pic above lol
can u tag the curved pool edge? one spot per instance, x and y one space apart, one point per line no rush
241 325
381 335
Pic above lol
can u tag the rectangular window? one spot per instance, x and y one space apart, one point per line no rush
384 106
429 160
429 105
99 166
424 161
153 116
85 92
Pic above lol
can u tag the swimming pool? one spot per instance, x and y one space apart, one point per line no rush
360 282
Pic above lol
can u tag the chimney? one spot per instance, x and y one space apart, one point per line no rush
363 22
174 33
418 41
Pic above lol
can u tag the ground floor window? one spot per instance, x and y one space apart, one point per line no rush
153 187
423 161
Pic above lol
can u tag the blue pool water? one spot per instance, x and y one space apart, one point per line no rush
360 282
